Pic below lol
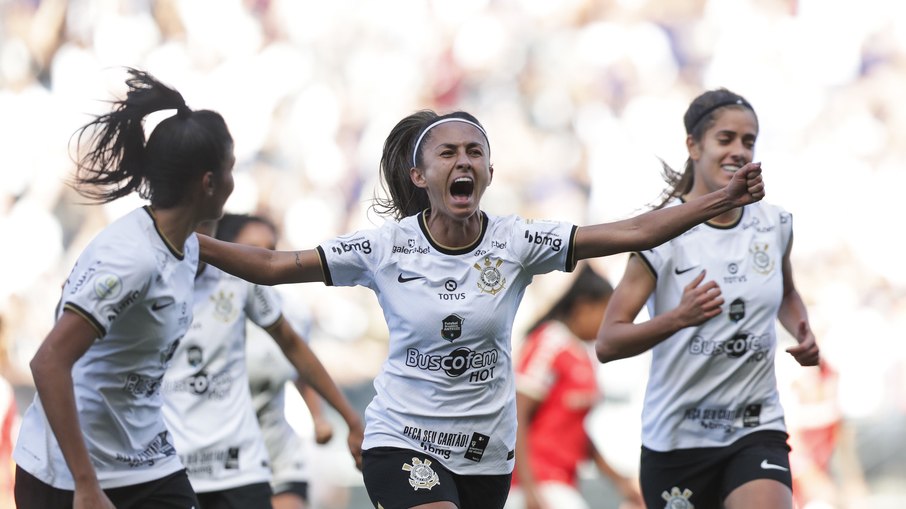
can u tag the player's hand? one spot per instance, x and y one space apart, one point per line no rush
323 431
632 496
746 186
806 352
91 498
699 303
354 441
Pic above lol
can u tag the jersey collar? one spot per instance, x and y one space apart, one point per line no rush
423 224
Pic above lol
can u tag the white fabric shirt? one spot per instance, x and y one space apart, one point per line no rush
206 391
446 387
713 384
136 290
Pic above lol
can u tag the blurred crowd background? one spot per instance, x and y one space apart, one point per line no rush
581 98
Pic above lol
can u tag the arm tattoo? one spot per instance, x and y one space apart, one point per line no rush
299 260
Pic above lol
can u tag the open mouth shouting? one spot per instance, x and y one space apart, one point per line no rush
461 189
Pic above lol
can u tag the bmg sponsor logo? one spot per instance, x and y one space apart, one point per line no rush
344 247
540 239
114 310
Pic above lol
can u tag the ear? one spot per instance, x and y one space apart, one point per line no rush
490 174
207 183
693 148
418 177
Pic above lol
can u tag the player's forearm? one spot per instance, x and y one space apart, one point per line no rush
650 229
313 374
792 312
620 340
261 266
53 383
312 400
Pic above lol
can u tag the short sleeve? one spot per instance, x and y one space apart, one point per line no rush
105 283
654 259
544 246
351 260
263 306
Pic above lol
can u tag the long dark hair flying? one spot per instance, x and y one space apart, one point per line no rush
118 161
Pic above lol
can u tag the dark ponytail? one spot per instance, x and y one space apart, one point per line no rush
118 161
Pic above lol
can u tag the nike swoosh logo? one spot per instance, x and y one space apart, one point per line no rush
402 279
679 271
157 306
770 466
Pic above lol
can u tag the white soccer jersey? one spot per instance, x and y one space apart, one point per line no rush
206 391
712 384
269 371
446 386
135 288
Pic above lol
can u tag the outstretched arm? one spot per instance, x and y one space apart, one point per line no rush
259 265
653 228
619 337
794 317
312 372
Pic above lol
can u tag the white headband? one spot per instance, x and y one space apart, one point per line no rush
444 121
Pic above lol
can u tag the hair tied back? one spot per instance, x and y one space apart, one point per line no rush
183 112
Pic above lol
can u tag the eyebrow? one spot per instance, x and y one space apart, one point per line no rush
470 144
736 133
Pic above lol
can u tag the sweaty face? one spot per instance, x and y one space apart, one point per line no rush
456 168
724 148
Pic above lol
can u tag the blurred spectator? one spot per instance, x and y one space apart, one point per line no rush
556 387
312 87
9 429
826 469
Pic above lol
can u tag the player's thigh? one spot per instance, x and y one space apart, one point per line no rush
483 491
760 493
681 478
171 492
252 496
402 478
758 473
32 493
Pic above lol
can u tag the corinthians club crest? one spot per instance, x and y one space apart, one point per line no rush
761 259
224 309
421 475
677 499
490 280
